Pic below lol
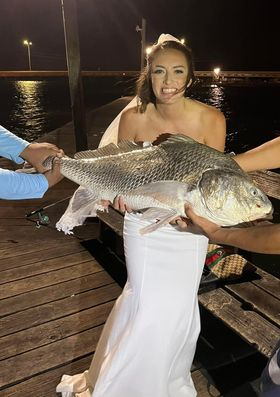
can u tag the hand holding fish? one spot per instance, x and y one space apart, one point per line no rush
54 176
207 227
36 153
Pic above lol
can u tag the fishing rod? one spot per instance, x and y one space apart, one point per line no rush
43 219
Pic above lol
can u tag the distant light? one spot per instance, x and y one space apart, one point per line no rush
148 50
26 42
217 71
182 41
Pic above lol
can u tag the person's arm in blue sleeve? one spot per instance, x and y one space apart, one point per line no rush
16 186
11 146
18 150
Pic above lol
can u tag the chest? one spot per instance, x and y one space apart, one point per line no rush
150 131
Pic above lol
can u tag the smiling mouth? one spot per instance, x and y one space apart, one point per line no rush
169 91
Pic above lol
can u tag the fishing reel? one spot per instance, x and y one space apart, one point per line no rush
41 218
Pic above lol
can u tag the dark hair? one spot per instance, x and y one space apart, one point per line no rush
144 88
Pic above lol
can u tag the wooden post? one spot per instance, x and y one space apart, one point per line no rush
71 34
142 30
143 43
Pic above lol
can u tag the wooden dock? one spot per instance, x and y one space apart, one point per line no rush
54 299
55 296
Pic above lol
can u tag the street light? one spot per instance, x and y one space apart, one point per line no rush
28 44
217 73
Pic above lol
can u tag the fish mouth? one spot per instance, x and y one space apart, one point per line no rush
266 217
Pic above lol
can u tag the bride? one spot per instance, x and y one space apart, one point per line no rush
148 342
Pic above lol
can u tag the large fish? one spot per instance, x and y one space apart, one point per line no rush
163 178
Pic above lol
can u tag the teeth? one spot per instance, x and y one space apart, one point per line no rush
169 90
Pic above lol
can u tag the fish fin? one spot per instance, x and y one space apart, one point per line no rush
109 150
155 213
83 204
164 221
163 191
178 138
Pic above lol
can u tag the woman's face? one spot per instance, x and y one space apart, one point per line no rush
169 73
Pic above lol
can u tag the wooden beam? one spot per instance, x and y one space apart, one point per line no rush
71 34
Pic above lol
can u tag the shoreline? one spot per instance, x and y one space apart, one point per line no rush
233 75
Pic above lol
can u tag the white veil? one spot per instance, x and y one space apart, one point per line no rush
83 203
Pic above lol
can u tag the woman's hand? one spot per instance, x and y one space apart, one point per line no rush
120 205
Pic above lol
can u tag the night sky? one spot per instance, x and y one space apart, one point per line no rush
232 34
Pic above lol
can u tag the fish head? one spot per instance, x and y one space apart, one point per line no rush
231 197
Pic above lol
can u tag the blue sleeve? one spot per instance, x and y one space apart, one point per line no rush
11 145
16 186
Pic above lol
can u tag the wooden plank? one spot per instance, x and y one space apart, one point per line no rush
27 233
268 283
112 219
249 325
22 248
54 292
203 385
45 266
54 310
43 280
53 252
268 181
258 300
50 332
29 364
44 385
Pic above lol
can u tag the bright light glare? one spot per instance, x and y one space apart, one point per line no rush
148 50
217 71
182 41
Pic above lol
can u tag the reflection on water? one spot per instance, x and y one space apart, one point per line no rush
31 108
28 109
216 96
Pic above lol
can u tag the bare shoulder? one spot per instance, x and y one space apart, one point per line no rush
129 122
213 124
208 113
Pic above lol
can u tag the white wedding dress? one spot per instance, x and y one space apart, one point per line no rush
148 342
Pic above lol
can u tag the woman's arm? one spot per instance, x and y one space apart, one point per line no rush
266 156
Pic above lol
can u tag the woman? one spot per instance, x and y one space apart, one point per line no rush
148 343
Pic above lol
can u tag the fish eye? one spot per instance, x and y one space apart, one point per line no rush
254 191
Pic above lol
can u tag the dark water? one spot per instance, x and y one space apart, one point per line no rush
31 108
